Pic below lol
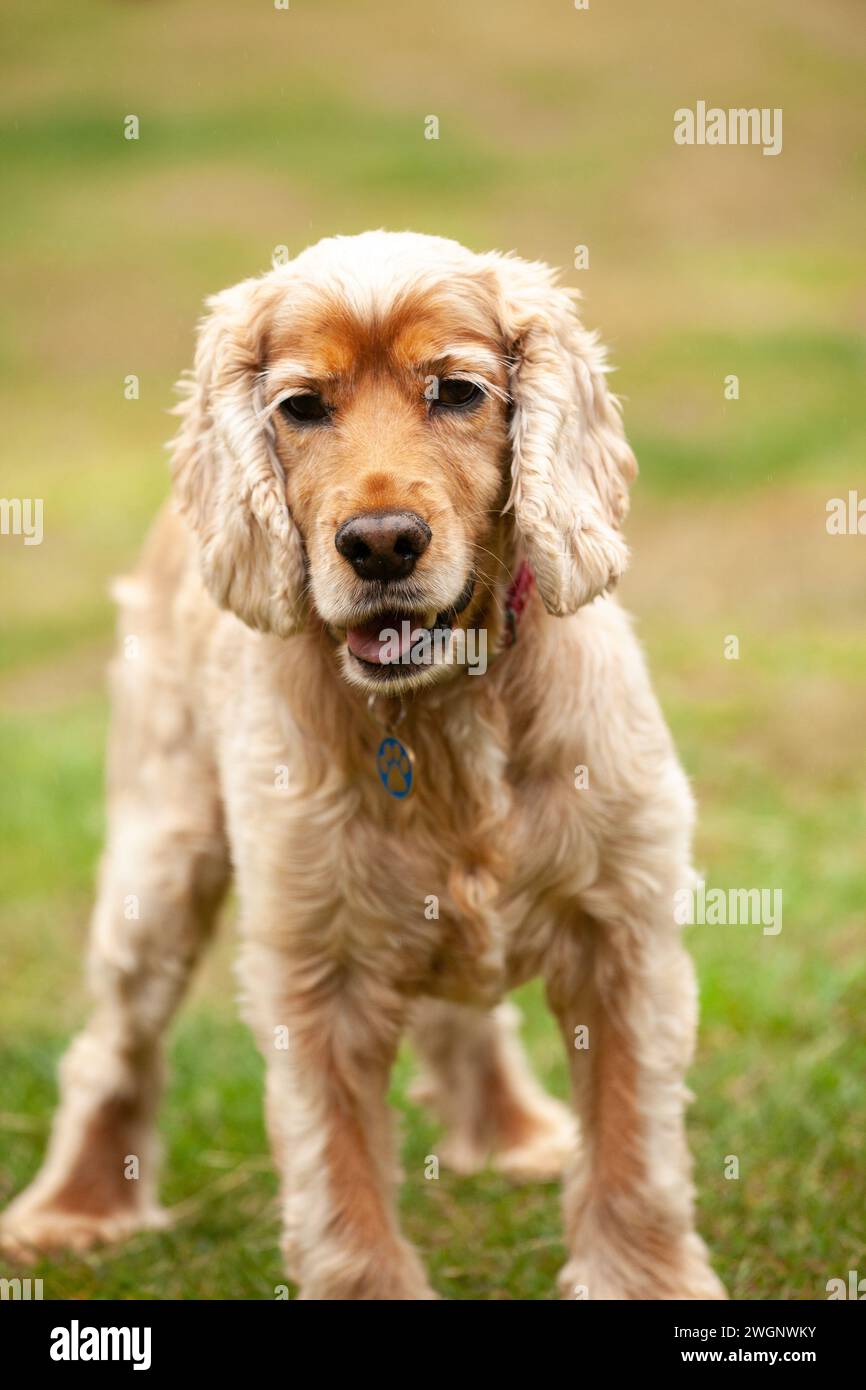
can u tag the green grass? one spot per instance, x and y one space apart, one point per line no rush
276 129
798 409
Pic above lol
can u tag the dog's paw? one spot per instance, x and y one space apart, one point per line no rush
686 1275
546 1149
384 1277
395 768
28 1233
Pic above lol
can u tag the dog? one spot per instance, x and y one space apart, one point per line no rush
392 438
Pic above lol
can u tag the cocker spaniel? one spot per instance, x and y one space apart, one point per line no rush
370 665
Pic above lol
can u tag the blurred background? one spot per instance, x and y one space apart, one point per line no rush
263 128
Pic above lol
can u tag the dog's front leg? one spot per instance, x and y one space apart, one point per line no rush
329 1036
162 879
623 990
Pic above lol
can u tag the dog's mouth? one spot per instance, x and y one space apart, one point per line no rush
393 639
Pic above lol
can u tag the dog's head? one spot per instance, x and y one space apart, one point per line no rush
377 430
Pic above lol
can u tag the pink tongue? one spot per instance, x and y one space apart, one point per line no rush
376 642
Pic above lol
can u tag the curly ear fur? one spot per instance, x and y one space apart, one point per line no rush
228 479
571 464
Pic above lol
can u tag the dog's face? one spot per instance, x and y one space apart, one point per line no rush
378 428
390 425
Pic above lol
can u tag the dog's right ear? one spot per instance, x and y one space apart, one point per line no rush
571 463
228 478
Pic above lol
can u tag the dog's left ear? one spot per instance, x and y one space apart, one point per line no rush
228 479
571 463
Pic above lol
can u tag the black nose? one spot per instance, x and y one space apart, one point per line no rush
383 545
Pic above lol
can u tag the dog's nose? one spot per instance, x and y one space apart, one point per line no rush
383 545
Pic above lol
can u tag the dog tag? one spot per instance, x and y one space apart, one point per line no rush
395 763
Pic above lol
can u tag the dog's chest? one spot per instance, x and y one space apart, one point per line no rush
456 891
448 891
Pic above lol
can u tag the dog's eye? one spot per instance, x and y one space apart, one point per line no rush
455 392
306 409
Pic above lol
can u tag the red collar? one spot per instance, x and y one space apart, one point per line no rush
516 600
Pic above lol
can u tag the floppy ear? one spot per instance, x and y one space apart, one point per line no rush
228 479
571 464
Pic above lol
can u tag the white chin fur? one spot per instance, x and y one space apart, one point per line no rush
405 678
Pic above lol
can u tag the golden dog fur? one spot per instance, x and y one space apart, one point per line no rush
242 739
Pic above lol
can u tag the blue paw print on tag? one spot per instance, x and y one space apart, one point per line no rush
395 768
